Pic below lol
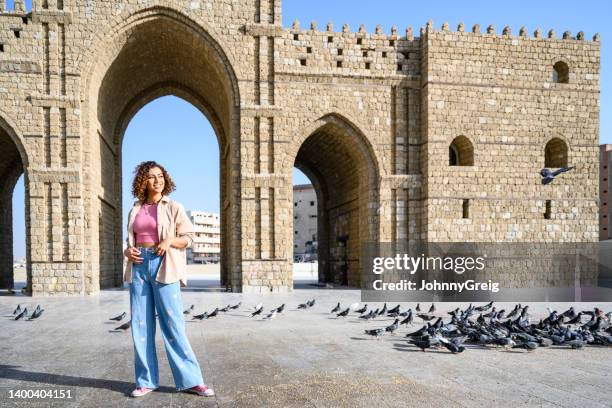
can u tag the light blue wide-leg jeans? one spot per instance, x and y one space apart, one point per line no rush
146 296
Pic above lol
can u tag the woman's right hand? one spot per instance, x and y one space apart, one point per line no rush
132 253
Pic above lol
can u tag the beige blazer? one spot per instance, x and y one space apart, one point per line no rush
172 221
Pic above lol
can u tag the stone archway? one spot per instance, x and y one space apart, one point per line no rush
339 161
157 54
12 165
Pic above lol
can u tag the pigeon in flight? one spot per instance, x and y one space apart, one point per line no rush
548 176
124 326
187 311
118 318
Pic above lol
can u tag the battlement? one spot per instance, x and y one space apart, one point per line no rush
507 32
19 7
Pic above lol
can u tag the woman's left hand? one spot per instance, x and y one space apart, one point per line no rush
162 247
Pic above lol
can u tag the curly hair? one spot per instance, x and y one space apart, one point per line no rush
141 173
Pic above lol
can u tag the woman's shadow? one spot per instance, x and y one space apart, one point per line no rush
124 387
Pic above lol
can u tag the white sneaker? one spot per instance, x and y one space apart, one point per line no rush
201 390
141 392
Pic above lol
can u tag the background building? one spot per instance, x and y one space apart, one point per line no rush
605 159
206 246
304 222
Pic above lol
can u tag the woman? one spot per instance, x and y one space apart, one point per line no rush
158 233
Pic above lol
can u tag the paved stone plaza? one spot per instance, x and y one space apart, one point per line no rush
301 359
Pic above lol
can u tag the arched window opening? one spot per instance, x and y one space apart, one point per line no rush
461 152
560 73
555 153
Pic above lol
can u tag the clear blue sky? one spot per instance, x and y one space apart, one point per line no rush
172 117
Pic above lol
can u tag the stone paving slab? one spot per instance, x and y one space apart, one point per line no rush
301 359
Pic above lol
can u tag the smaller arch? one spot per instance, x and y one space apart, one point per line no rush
461 152
560 74
556 153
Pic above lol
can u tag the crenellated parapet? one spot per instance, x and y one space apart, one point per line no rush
506 32
351 52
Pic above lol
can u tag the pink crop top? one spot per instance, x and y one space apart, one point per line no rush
145 225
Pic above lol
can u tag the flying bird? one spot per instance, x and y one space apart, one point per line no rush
548 176
118 318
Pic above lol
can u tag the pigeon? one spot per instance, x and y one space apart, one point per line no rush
118 318
214 312
236 306
432 309
279 309
407 320
452 347
124 326
392 328
484 307
374 332
200 316
362 310
188 310
576 344
303 306
426 317
37 313
17 310
271 315
225 309
418 307
396 309
383 310
548 176
528 345
258 310
310 303
24 313
576 320
418 333
422 343
367 316
335 309
344 313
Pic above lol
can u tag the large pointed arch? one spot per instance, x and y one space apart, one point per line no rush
342 164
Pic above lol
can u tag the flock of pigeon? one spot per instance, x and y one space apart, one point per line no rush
480 326
23 313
